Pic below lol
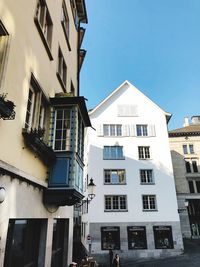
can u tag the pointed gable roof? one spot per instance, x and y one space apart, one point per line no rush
126 82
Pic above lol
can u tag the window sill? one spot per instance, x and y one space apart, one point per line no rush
61 82
147 183
149 210
115 183
114 159
115 210
145 159
46 45
66 36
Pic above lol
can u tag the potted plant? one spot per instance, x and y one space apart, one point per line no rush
6 108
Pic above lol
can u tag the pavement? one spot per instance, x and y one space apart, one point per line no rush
190 258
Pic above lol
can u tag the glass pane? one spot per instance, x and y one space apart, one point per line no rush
194 165
114 177
191 186
185 149
191 147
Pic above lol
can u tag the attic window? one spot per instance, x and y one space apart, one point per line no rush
127 111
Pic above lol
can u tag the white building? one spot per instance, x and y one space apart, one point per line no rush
135 208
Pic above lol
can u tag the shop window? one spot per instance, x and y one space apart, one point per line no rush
144 152
110 238
137 237
60 241
25 242
163 237
114 176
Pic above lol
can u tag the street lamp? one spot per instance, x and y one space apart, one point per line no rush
2 194
91 189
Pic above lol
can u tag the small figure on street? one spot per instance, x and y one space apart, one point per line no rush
110 256
116 261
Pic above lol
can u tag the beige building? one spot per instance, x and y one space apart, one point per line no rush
42 120
185 151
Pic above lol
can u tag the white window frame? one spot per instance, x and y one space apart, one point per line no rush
188 149
63 147
112 203
112 129
147 175
148 202
143 129
144 152
113 150
117 171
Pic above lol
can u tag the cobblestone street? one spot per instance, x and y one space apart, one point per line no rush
191 258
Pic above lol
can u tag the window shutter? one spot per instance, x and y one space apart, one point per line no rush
127 111
125 130
151 130
100 130
132 130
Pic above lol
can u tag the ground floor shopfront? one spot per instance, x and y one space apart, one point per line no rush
142 239
32 234
189 211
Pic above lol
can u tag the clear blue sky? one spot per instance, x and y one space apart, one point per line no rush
155 44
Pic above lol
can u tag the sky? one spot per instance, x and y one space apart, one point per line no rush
154 44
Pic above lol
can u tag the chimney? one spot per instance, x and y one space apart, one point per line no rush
186 122
196 120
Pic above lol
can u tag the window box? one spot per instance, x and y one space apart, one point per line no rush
6 108
33 140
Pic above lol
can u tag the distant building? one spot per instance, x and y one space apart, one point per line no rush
185 151
135 209
42 121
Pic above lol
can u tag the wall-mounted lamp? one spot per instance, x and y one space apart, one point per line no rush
2 194
91 188
186 203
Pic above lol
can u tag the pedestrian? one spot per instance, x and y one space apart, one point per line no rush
73 264
110 256
116 261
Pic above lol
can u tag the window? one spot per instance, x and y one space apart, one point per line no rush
36 107
113 152
74 12
114 176
146 177
24 242
65 23
188 149
110 237
149 202
127 111
115 203
3 49
144 152
62 70
112 130
141 130
163 237
137 237
62 130
191 166
44 25
194 185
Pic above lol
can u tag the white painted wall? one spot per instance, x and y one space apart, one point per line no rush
164 187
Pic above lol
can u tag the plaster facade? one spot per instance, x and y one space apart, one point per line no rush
42 40
142 111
